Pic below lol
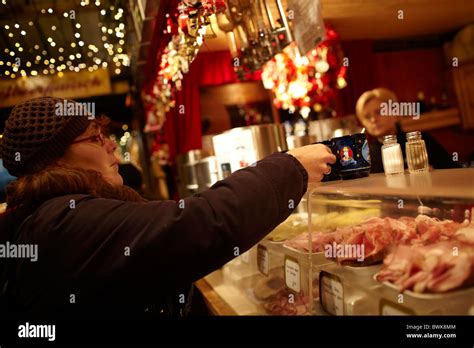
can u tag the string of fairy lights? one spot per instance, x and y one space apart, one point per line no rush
111 55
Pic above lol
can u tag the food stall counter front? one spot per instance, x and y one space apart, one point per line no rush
380 245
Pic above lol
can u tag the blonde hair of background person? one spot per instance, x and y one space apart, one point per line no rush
368 112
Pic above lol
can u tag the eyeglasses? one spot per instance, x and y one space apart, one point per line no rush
98 139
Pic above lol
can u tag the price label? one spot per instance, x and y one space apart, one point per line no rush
292 274
262 259
245 257
391 308
331 293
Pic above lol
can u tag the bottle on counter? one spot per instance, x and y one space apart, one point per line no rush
417 156
392 156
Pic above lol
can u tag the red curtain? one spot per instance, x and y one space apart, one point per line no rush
405 72
182 128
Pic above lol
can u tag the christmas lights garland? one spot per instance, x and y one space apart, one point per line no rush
188 27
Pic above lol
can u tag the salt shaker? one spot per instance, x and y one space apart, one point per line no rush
417 156
392 156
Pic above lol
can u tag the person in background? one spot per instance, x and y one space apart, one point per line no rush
377 126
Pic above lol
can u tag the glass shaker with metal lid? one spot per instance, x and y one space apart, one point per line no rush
417 156
392 156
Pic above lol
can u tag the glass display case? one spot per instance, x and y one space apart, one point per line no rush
381 245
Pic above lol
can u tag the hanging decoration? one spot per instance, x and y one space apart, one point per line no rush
307 83
188 26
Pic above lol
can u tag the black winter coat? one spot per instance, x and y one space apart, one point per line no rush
109 258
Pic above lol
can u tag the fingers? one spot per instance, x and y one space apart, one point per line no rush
328 170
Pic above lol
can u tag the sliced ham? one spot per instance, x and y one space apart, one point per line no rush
380 235
435 268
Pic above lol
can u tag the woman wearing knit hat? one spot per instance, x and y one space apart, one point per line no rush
102 249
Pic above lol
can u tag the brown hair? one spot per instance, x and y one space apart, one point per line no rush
55 181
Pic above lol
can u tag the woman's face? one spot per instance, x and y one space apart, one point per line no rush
375 124
92 150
